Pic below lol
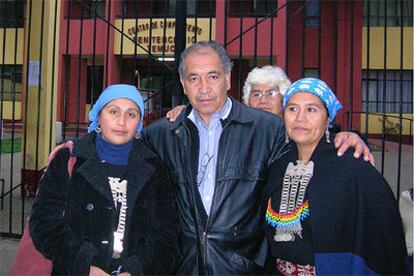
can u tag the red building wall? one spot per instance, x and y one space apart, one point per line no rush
338 57
295 47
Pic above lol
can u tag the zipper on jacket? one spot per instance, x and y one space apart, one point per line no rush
205 252
205 233
214 192
200 225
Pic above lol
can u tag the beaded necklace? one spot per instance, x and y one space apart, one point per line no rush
292 209
119 195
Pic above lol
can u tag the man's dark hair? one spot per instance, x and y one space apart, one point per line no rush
225 60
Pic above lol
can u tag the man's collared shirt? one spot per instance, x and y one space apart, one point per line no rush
209 136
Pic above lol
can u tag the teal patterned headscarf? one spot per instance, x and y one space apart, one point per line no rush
318 88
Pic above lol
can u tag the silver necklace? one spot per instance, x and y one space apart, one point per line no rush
295 181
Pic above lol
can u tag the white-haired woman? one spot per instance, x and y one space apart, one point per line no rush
264 88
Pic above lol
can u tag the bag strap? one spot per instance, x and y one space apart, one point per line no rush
72 159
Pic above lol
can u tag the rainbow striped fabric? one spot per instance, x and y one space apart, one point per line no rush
286 220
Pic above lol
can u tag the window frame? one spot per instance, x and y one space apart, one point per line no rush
374 100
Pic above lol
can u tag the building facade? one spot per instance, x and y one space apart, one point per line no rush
57 56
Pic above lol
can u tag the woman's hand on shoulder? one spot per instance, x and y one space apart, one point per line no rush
173 113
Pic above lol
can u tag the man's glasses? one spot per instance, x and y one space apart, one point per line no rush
205 161
257 95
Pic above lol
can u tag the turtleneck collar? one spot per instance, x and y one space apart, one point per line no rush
112 154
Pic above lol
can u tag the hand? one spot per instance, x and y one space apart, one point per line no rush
345 139
173 113
96 271
125 274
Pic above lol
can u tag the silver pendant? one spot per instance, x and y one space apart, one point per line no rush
284 237
118 245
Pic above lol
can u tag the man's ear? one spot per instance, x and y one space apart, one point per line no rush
228 81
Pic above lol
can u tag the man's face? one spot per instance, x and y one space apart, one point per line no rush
205 83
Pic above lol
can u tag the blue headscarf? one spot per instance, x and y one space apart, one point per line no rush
318 88
113 92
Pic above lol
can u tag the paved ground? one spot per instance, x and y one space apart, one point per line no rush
8 246
8 250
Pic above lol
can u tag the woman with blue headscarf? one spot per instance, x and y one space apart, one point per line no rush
115 213
327 215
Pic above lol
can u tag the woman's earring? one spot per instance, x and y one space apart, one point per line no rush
286 138
98 129
137 135
327 135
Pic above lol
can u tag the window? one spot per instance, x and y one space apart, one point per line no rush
161 8
166 8
11 80
85 9
201 8
95 83
311 73
376 79
159 84
313 14
149 8
12 14
260 8
376 9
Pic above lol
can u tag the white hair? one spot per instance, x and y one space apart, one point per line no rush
270 75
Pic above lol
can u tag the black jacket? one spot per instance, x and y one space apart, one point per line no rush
355 223
230 240
73 219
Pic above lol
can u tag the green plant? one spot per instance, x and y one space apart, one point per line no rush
390 127
6 145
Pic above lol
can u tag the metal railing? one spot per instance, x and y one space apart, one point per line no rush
291 34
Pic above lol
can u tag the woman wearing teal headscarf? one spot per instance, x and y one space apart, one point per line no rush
115 213
327 215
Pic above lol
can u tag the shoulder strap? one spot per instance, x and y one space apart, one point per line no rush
72 159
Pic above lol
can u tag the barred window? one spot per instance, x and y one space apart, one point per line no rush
12 14
201 8
11 80
313 13
167 8
311 73
95 83
377 82
252 8
393 13
85 9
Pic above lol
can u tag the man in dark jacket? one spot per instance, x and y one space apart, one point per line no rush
218 152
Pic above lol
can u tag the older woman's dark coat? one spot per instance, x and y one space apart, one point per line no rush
73 219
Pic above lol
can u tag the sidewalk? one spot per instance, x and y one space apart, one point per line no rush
8 250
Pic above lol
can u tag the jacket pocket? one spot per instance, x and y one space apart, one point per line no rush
243 264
